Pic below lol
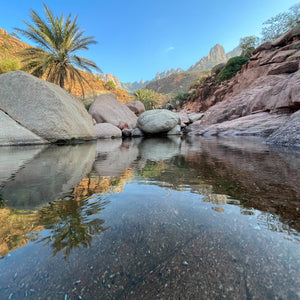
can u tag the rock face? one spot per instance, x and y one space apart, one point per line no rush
216 55
268 61
269 93
261 124
269 83
157 121
12 133
107 130
288 133
136 106
44 108
110 77
106 108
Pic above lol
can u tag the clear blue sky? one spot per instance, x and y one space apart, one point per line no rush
136 39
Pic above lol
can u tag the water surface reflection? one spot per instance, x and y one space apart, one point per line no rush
154 218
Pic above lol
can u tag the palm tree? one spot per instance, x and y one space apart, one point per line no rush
57 39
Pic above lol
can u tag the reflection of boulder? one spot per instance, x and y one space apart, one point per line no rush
107 131
49 176
216 199
14 158
156 149
113 157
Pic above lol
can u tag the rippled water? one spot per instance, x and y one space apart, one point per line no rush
150 219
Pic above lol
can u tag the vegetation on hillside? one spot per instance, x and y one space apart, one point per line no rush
248 45
58 40
110 85
178 100
149 98
7 65
176 83
233 65
278 25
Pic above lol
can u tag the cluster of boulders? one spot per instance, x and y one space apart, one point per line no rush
34 111
114 119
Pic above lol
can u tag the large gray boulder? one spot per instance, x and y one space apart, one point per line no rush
136 106
107 108
44 108
12 133
157 121
107 130
287 134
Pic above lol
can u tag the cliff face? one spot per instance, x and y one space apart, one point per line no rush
216 56
259 99
110 77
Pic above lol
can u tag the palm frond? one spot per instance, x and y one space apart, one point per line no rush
57 39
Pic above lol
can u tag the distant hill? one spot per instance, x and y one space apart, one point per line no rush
11 48
216 56
175 83
235 52
133 86
180 81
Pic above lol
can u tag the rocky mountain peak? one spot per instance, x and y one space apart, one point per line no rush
217 53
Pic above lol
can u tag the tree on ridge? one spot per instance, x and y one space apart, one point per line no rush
58 39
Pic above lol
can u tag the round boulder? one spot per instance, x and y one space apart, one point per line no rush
136 106
157 121
107 130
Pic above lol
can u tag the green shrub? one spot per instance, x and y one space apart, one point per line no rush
233 65
87 106
217 68
8 65
179 99
198 82
110 85
149 98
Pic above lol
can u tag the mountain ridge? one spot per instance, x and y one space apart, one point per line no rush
216 56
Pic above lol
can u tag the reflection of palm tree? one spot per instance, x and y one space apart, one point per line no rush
71 223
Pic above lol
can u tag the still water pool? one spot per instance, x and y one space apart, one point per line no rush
150 219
